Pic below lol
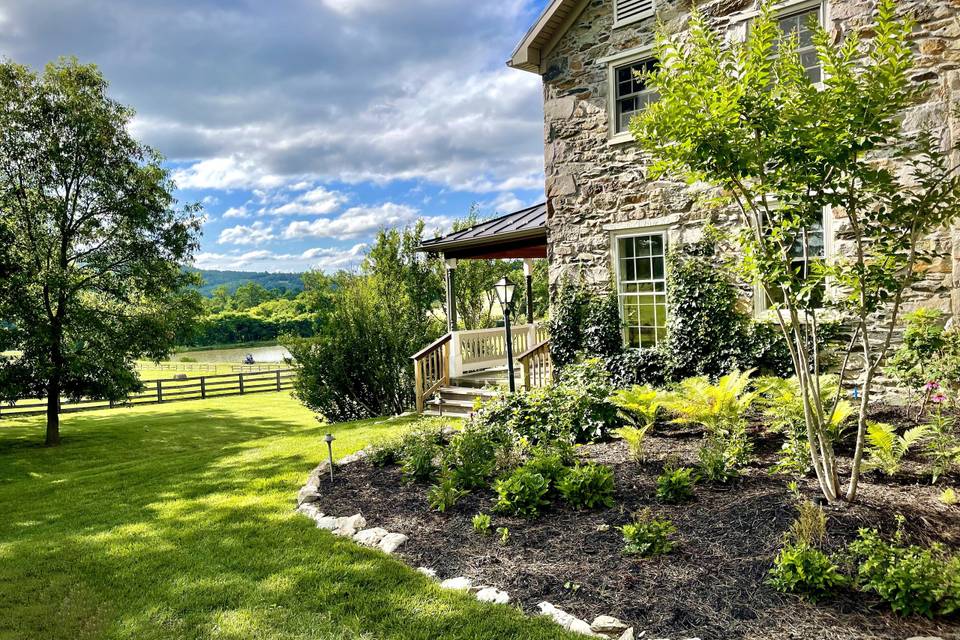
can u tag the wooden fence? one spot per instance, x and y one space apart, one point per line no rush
170 390
193 367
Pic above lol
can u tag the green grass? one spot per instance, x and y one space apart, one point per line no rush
176 521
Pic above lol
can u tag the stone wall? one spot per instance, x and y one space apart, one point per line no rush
591 183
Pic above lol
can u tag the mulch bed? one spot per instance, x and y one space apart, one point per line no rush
711 586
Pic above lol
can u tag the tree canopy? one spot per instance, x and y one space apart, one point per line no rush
94 244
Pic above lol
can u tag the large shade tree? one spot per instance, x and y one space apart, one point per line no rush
91 264
745 117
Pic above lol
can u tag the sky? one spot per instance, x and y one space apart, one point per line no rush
303 126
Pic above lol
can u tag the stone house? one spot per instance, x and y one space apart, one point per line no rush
610 226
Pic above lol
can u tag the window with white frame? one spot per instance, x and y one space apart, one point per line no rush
642 287
799 23
627 11
808 248
631 94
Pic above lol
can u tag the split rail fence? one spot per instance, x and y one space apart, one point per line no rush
170 390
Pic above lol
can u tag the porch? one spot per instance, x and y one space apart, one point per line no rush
464 365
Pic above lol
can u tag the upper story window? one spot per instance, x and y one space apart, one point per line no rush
799 23
631 93
627 11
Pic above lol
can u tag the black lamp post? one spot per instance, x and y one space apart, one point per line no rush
505 290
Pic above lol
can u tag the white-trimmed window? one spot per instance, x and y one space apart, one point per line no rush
629 11
798 22
809 248
630 93
642 287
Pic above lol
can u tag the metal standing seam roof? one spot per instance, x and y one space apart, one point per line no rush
529 222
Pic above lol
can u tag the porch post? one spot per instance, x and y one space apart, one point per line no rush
528 277
451 265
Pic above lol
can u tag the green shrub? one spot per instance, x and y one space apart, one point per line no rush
648 536
420 450
943 445
603 330
675 485
910 579
886 450
522 493
719 407
575 408
566 325
482 523
640 406
722 455
445 494
588 486
472 456
386 452
639 367
805 570
928 352
550 461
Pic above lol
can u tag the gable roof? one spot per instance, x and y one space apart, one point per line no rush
552 23
516 233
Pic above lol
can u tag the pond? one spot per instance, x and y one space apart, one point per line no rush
236 356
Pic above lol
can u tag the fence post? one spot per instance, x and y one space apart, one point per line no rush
278 379
203 387
241 383
159 392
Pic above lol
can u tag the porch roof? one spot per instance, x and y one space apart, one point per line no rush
521 234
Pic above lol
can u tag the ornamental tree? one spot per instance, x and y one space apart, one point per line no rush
91 261
745 118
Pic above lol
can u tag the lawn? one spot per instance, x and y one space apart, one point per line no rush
176 521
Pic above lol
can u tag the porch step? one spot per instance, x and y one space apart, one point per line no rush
457 400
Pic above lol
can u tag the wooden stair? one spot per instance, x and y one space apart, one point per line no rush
460 397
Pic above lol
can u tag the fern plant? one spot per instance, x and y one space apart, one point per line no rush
716 407
639 406
886 449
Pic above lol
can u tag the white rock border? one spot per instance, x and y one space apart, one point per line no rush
355 528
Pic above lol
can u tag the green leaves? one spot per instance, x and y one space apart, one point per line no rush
886 449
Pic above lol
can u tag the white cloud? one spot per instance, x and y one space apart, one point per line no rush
353 223
325 259
236 213
226 174
317 201
256 234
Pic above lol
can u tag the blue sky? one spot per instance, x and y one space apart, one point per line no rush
305 125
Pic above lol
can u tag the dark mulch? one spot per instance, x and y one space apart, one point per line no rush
711 586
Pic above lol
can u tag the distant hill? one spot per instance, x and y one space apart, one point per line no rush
233 279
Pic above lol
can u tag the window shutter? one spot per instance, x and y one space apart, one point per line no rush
629 10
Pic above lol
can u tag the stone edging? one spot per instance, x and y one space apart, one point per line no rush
355 527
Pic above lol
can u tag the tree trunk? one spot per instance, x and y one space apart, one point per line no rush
53 411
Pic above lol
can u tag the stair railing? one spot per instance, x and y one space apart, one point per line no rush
431 370
537 366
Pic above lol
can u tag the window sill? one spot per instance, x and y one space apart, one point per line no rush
620 139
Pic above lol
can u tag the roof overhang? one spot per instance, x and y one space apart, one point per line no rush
555 20
522 234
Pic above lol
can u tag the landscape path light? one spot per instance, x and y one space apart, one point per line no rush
505 290
329 440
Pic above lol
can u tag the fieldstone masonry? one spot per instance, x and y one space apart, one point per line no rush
592 183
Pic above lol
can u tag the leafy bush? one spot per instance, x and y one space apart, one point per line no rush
648 536
421 448
943 445
640 406
566 325
445 494
575 408
482 523
910 579
928 352
522 493
472 456
550 461
588 486
675 485
707 332
386 452
722 456
603 330
639 367
886 449
805 570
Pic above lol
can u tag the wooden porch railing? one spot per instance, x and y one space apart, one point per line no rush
431 369
537 366
485 348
